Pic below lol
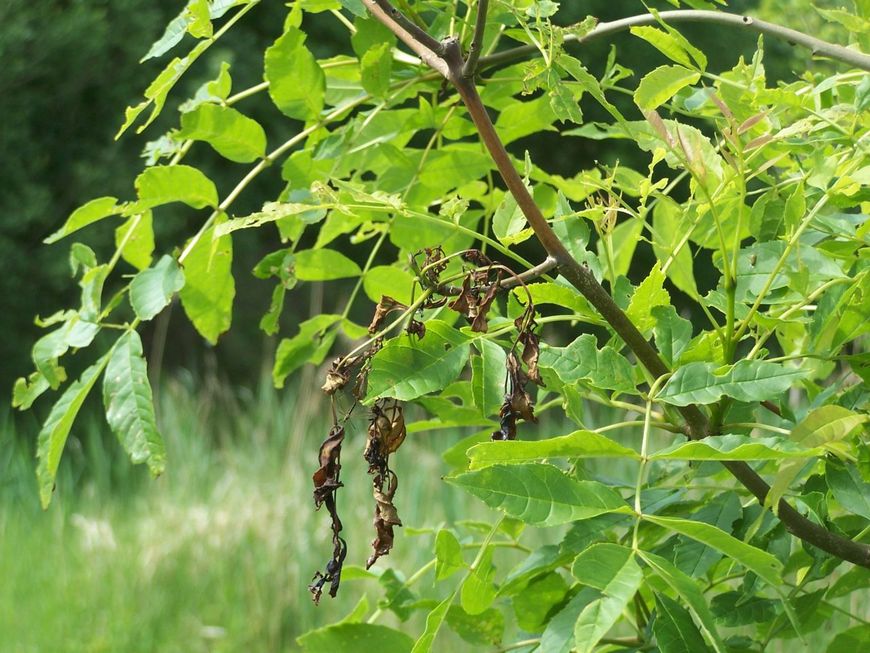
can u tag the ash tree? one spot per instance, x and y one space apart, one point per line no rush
744 517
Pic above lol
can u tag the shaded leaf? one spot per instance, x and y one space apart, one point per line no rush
353 638
151 290
209 285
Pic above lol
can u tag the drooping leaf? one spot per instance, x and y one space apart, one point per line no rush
52 437
761 562
747 380
539 494
579 444
232 134
129 404
209 286
408 367
151 290
88 213
533 603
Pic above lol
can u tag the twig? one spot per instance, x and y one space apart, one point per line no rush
476 46
816 46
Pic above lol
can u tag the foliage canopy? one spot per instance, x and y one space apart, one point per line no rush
750 216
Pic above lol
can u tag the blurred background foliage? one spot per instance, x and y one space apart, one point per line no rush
215 555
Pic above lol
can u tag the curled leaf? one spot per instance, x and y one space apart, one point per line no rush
386 306
326 484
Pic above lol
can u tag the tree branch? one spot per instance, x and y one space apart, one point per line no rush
697 422
476 47
816 46
423 45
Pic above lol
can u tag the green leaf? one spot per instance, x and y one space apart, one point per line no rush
579 444
747 380
848 488
52 437
533 604
672 333
539 494
508 219
232 134
666 43
151 290
488 373
376 66
88 213
661 84
137 236
548 292
674 629
408 367
689 592
305 346
388 280
609 568
158 90
324 265
129 404
159 185
26 391
209 288
478 590
595 620
669 230
296 82
736 447
756 560
856 638
293 213
448 555
484 629
434 620
520 119
650 294
353 638
75 332
582 360
558 636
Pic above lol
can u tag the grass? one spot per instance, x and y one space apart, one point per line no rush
215 555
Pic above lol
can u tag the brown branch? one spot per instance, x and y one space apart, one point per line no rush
697 422
476 47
